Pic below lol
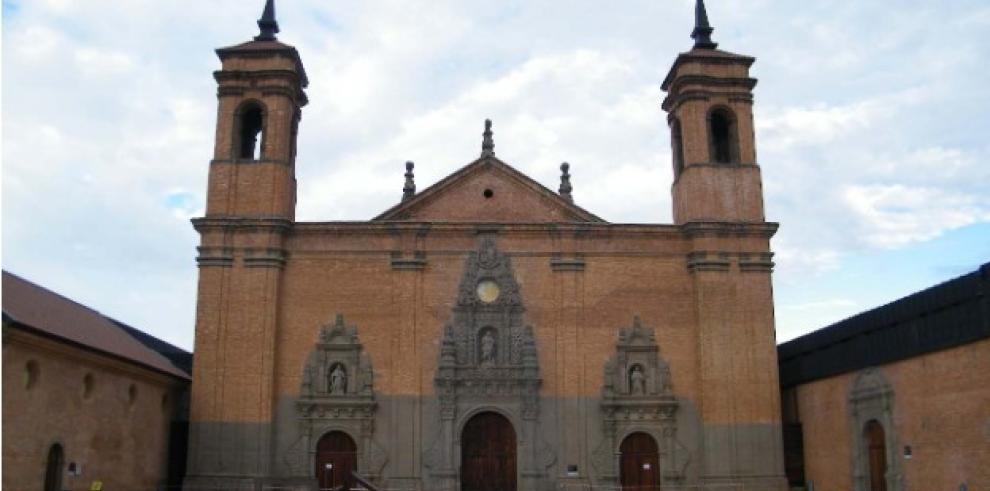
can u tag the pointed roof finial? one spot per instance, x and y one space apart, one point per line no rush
487 143
565 182
410 188
702 33
267 23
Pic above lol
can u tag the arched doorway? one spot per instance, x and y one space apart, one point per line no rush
877 450
53 469
488 454
336 459
639 466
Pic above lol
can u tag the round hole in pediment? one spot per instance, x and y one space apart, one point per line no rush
488 193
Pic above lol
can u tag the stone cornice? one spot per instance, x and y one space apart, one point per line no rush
233 75
707 57
242 224
708 261
416 262
698 229
282 162
558 263
439 228
688 87
215 256
721 261
264 257
227 80
674 101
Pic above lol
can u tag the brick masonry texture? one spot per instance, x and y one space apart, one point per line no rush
941 408
121 442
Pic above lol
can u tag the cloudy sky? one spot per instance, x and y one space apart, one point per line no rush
872 123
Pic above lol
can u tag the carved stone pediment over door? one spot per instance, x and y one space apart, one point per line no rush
338 394
637 396
488 362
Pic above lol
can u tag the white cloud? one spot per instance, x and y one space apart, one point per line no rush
895 215
871 134
35 43
92 62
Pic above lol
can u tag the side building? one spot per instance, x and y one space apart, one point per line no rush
894 398
88 402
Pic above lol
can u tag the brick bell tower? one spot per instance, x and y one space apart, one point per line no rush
718 203
250 207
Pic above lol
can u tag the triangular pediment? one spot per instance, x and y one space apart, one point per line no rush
488 190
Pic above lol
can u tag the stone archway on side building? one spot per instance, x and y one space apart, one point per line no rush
871 408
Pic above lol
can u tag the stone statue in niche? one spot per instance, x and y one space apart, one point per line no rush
338 380
664 372
487 350
337 392
637 395
637 381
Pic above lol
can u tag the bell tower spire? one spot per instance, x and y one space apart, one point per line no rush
702 33
267 23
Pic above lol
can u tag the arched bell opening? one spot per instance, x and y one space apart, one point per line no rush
249 134
723 140
677 147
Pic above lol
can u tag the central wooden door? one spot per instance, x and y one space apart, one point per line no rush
488 454
336 459
639 463
877 449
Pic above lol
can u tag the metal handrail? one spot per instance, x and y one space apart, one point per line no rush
364 482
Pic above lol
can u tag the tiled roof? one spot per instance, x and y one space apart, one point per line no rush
34 307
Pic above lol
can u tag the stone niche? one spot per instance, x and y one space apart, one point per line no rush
488 363
637 396
338 394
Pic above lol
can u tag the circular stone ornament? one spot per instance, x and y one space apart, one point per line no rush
487 291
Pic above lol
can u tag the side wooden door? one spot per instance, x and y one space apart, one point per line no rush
877 449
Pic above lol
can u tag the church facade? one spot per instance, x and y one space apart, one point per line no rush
485 333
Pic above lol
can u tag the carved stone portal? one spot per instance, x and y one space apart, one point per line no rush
872 399
488 362
338 395
638 396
